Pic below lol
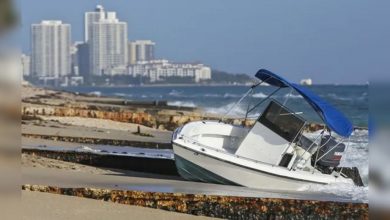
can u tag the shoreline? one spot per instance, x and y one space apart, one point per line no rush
153 85
186 84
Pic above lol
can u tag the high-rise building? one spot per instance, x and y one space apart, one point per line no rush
91 17
141 50
26 65
83 59
73 58
50 49
107 40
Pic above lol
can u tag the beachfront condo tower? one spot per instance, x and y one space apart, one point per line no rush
50 49
107 40
90 18
141 50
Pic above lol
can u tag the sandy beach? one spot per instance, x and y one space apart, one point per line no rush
44 206
37 169
90 146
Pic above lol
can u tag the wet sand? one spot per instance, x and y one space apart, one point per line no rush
44 171
46 206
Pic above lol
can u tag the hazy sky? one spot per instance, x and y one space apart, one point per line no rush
331 41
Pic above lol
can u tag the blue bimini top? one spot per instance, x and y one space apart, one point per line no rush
333 118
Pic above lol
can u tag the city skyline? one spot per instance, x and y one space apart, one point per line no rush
106 53
327 50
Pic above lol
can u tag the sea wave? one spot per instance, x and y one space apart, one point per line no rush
259 95
340 189
356 155
337 97
230 95
212 95
95 93
175 93
122 94
182 104
237 111
292 96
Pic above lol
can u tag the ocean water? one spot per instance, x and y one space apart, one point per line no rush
351 100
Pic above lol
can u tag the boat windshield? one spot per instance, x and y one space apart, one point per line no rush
280 120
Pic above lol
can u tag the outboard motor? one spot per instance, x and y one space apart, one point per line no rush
330 159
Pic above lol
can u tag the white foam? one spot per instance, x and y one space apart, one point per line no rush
212 95
230 95
119 94
292 96
334 96
122 94
175 93
259 95
356 155
340 189
182 104
237 111
96 93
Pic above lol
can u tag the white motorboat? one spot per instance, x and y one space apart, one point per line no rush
274 153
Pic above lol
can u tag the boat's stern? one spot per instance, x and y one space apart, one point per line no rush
189 155
183 130
175 133
184 167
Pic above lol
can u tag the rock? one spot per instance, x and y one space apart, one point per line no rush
220 206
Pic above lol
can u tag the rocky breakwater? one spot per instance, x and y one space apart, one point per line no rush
151 114
228 207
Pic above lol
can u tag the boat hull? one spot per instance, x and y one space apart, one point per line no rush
193 172
195 166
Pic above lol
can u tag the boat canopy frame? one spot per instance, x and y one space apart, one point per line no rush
333 119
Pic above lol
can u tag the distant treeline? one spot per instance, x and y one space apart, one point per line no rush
229 78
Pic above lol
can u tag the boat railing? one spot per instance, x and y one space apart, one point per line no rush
196 142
